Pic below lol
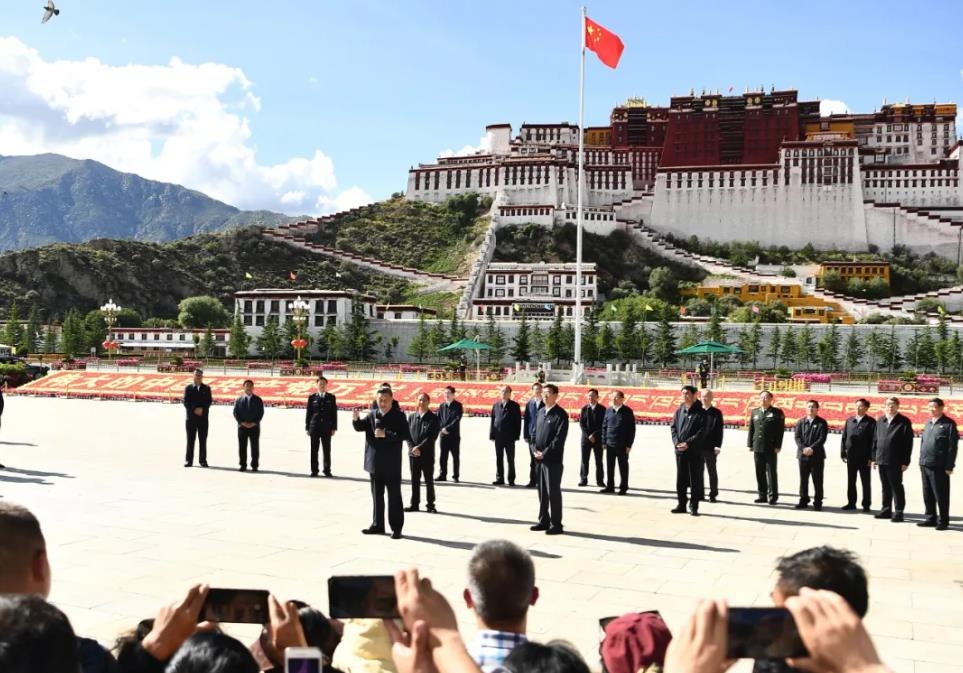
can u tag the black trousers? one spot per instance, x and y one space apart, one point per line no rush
550 494
861 467
936 493
767 476
396 508
688 475
891 479
812 467
709 457
422 467
324 441
254 435
588 448
449 445
196 428
532 464
505 448
622 458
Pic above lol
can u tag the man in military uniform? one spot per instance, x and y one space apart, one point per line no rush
937 459
767 424
320 424
810 436
892 451
856 448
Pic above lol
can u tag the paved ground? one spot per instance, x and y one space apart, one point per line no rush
129 528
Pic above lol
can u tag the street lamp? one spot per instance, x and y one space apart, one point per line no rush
110 311
299 314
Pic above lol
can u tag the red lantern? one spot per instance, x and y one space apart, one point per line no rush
109 345
299 343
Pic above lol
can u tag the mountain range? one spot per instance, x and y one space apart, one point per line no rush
49 198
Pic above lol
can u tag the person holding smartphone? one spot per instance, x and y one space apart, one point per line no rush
386 429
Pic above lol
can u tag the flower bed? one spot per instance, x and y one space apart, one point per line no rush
811 377
127 362
908 387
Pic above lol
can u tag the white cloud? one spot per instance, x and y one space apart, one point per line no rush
181 123
483 147
832 107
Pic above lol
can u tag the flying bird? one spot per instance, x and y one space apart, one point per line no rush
49 11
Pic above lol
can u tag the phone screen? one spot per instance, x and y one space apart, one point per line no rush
240 606
299 665
763 633
362 597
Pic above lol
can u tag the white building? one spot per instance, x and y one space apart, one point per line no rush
165 340
403 312
325 307
538 291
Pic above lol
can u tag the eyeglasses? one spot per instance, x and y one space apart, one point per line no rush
605 621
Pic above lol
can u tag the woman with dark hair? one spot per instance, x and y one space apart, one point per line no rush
212 653
555 657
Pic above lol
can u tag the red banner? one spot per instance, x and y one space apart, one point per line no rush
651 405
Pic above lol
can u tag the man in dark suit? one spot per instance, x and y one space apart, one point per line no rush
320 423
423 429
449 417
767 425
504 430
248 412
535 402
892 451
386 429
617 437
711 441
938 447
688 430
856 448
197 403
810 434
590 421
551 429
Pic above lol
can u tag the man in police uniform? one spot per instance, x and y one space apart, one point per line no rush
937 459
320 423
856 449
767 425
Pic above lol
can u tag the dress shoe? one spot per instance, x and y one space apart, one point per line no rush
497 482
883 514
583 483
801 505
511 483
818 507
431 509
253 469
314 475
440 478
396 535
678 510
412 508
455 479
608 490
623 491
531 484
2 466
897 518
188 464
328 474
538 526
712 498
865 508
773 501
203 464
555 530
848 508
373 531
943 525
242 468
927 523
760 500
694 512
600 484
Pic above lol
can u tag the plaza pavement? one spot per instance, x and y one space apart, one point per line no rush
128 528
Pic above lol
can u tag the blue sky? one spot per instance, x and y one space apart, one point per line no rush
349 95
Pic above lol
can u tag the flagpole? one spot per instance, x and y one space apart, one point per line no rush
577 358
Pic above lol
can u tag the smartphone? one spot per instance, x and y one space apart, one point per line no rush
362 597
240 606
763 633
302 660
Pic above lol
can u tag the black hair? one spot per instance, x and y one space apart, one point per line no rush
816 402
937 401
212 653
537 658
827 568
689 389
35 637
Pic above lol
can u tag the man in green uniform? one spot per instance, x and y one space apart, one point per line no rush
767 424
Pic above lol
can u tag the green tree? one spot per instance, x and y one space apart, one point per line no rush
663 284
789 348
590 336
690 336
94 330
239 341
456 330
714 331
920 353
627 341
553 339
12 331
50 340
829 349
495 339
645 344
537 342
807 352
522 346
420 345
568 342
750 343
854 351
774 350
32 330
269 341
128 317
438 338
891 357
874 349
202 311
606 343
391 345
359 338
663 346
205 347
954 352
289 332
330 344
72 338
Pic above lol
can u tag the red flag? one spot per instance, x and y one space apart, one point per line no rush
755 308
682 310
293 276
606 44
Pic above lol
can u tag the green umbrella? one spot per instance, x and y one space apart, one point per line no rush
712 348
469 345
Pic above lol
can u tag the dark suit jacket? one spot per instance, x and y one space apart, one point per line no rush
893 441
506 422
551 429
449 416
193 398
591 422
938 443
248 412
382 455
857 441
321 415
618 428
531 415
812 434
713 430
423 431
688 425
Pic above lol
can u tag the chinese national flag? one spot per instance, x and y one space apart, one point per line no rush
606 44
293 276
